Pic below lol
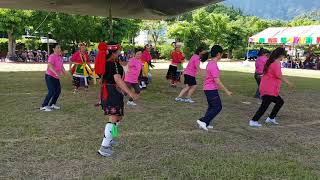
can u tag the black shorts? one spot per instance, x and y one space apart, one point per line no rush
135 86
190 80
172 73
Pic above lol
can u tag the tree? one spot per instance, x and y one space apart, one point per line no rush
13 23
156 29
233 38
125 29
303 22
232 12
180 30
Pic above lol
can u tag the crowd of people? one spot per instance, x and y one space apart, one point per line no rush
120 78
311 61
27 56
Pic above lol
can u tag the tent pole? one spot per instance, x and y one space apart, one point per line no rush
110 21
248 47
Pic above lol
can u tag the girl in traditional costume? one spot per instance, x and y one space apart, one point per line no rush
108 66
80 68
146 60
177 59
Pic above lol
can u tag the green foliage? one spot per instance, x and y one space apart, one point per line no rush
126 47
239 53
165 51
13 21
217 24
303 22
232 12
73 29
3 45
32 43
155 30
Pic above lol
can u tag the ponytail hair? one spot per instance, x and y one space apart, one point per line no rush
204 57
277 53
263 51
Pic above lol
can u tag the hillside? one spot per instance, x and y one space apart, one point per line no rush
275 9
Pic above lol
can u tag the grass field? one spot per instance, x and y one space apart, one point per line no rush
159 138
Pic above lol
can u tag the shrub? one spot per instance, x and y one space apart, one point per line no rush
3 45
239 53
127 47
165 51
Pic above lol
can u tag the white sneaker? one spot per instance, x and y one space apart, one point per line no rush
131 103
53 106
105 151
255 124
202 125
272 121
178 99
143 84
210 127
46 109
188 100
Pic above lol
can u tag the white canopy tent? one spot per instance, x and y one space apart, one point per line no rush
288 35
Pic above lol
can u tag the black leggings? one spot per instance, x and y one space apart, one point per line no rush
136 88
266 101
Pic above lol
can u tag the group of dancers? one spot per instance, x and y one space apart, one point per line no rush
116 83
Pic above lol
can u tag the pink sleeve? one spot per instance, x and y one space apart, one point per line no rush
277 71
51 60
131 63
213 69
197 62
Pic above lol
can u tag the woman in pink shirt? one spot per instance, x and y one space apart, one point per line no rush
190 73
270 88
211 85
132 76
54 71
260 62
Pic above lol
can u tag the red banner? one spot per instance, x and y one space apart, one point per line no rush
272 40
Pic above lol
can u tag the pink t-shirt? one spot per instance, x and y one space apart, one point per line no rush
212 72
57 63
134 69
271 81
193 65
260 62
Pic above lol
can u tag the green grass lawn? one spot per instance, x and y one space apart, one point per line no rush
159 138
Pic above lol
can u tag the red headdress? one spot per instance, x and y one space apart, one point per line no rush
114 47
100 62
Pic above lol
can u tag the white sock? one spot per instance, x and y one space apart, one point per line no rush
107 135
